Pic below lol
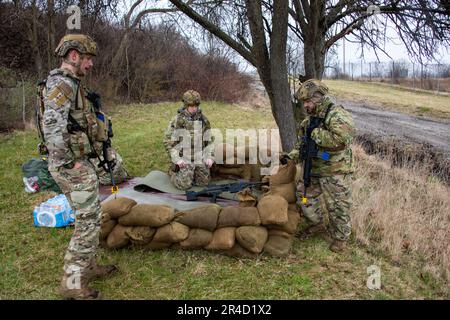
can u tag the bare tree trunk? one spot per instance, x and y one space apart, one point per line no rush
50 34
114 84
281 101
271 66
128 76
129 25
23 103
34 40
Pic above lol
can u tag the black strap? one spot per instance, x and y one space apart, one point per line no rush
74 126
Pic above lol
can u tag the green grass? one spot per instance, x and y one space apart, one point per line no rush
393 97
32 258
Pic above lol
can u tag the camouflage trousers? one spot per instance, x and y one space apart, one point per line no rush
332 195
81 189
120 174
190 175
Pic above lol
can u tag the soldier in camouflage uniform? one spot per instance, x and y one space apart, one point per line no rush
68 124
192 168
330 188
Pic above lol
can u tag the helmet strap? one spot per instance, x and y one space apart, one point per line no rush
72 63
317 98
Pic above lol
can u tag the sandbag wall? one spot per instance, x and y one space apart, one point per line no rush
267 224
232 159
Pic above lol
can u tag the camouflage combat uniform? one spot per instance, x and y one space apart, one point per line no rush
330 188
193 173
299 115
63 96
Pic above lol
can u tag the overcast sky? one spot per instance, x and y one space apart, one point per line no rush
396 50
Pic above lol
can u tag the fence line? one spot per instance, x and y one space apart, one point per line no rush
418 76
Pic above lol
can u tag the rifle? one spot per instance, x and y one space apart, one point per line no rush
308 151
107 164
215 189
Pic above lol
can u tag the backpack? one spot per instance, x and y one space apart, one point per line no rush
37 177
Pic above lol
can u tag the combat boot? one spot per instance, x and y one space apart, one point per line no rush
96 271
77 289
338 246
311 230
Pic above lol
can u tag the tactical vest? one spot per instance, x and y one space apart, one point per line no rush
187 121
340 160
84 125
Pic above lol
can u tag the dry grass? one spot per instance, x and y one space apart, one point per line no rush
392 97
402 212
395 230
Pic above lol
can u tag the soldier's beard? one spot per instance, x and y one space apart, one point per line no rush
311 110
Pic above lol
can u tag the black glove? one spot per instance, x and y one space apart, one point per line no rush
284 159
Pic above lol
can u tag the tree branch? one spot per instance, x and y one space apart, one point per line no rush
205 23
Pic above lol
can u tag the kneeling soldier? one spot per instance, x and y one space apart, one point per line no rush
190 163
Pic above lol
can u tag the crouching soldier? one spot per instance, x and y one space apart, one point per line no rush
331 129
69 127
189 144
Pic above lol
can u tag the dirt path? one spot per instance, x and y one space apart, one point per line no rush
384 123
378 123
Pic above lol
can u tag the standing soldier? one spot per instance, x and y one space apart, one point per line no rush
70 127
331 175
191 123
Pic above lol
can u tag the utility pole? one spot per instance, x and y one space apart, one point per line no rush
343 48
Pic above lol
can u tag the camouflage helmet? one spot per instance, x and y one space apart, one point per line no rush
80 42
191 97
309 88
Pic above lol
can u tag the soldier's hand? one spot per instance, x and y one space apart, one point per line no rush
209 163
181 163
77 165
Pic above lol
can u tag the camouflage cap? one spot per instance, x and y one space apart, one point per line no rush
191 97
80 42
309 88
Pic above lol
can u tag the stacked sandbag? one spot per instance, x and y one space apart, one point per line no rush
236 162
204 217
197 239
281 231
243 231
111 211
236 216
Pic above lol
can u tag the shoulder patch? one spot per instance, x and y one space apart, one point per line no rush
64 87
59 94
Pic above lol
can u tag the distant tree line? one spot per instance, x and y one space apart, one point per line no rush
155 63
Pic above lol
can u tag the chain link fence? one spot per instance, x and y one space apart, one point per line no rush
434 77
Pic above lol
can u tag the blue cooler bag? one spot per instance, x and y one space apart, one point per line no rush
54 213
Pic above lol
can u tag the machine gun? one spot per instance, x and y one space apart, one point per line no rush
215 190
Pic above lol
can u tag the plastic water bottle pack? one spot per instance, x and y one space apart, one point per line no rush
54 213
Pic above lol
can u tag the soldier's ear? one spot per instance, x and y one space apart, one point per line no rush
73 55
